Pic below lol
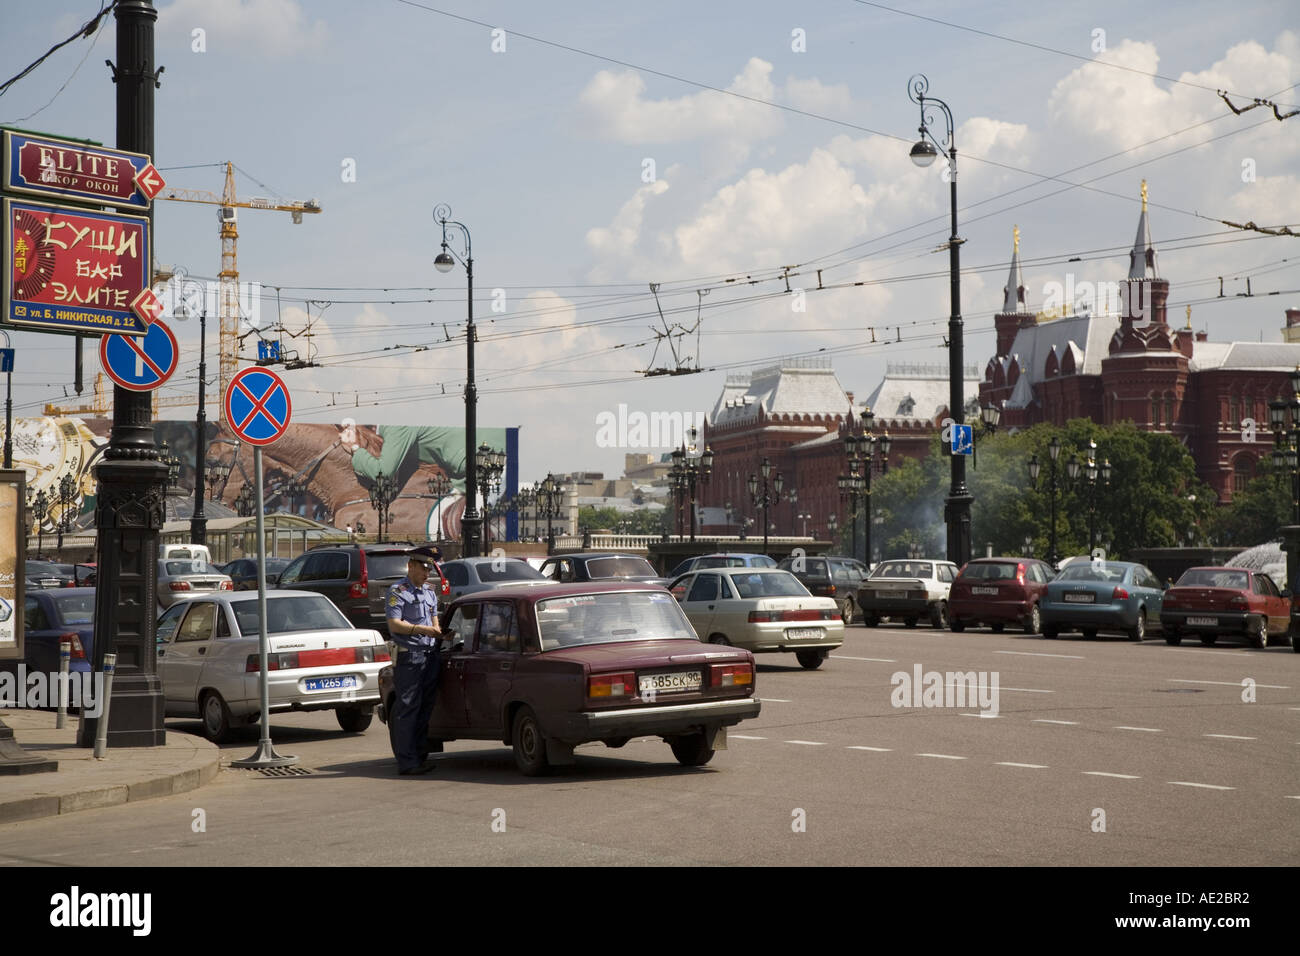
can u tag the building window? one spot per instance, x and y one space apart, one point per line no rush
1155 410
1169 410
1234 412
1243 469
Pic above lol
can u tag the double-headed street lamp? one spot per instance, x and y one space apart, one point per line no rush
382 494
1091 472
217 473
550 499
488 465
445 261
861 453
199 519
439 487
1053 452
832 525
67 490
763 495
40 507
245 503
1284 419
688 470
957 506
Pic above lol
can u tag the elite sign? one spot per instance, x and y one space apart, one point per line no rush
78 172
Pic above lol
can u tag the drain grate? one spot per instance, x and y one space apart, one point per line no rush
1179 690
283 771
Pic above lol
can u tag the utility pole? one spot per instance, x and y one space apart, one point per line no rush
131 495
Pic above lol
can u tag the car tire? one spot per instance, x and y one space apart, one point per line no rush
997 628
613 743
1034 623
810 659
1209 640
871 620
354 720
847 611
1050 631
1173 638
910 622
956 626
939 615
216 717
691 750
719 639
1259 634
529 744
1138 632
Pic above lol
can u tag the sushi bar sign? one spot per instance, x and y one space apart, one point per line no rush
76 268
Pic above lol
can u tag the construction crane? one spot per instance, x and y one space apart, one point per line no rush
228 300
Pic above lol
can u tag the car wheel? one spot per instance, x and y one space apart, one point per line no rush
1089 633
1259 634
810 659
910 622
529 744
871 620
390 711
956 626
1034 623
1295 638
997 628
939 614
691 750
216 717
1050 631
847 611
719 639
354 720
1138 632
613 743
1173 638
1209 640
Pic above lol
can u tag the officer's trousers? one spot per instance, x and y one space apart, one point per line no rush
416 682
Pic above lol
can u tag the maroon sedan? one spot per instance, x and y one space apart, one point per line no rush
1213 601
545 668
998 592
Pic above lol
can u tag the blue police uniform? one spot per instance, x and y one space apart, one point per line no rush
416 670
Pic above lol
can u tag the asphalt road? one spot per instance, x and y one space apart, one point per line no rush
1102 752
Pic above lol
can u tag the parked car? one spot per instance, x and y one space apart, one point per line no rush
740 560
51 616
1210 602
243 572
600 566
356 577
180 576
39 575
85 575
185 552
998 592
760 609
468 575
209 660
1098 596
543 669
830 576
908 591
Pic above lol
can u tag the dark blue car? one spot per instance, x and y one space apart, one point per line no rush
55 615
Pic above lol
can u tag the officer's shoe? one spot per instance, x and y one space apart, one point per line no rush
425 767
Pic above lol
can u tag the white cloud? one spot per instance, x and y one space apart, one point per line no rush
278 27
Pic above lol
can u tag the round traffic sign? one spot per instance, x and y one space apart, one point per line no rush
258 407
140 363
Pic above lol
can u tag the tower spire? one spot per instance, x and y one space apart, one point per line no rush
1142 260
1013 295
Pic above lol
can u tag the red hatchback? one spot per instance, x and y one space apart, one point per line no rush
1217 600
998 592
545 668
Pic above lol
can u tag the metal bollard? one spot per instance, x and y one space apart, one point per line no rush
65 658
101 732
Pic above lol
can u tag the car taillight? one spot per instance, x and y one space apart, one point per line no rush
444 587
1020 573
830 589
1119 594
828 614
78 653
361 588
612 685
227 585
731 675
679 592
760 617
809 614
179 585
1238 601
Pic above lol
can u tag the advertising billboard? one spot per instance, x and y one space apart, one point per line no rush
13 542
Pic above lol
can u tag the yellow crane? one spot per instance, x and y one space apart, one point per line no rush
228 300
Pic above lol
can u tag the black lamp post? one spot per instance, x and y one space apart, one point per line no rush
688 470
1054 452
382 494
9 401
550 499
245 502
488 465
67 488
217 473
832 525
439 487
445 261
40 506
764 495
198 520
861 453
1284 418
957 506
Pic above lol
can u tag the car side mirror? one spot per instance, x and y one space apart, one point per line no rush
1285 592
458 645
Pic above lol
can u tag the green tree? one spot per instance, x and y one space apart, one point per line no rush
1256 512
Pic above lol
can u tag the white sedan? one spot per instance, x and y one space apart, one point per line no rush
210 667
908 590
760 609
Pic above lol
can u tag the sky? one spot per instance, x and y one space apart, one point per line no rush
593 150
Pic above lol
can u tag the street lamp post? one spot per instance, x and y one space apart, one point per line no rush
804 516
67 487
861 453
445 261
832 525
40 506
549 501
488 465
768 495
244 502
1284 417
1053 452
8 354
198 520
382 494
957 506
439 487
688 470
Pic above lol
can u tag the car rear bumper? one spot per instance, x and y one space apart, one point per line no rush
894 607
969 611
286 690
1225 622
1085 615
659 720
775 636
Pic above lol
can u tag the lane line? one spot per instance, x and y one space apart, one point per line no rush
878 660
1068 657
1229 737
775 700
1227 683
1027 766
1289 797
1044 720
1145 730
1118 776
1027 690
940 756
982 714
1203 786
743 737
808 743
879 750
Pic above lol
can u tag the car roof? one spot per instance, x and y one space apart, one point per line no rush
486 559
52 593
543 592
597 554
238 597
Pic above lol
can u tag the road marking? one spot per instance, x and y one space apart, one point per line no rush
879 750
774 700
744 737
878 660
808 743
1226 683
1068 657
1145 730
1028 766
1118 776
981 714
940 756
1229 737
1289 797
1044 720
1028 690
1203 786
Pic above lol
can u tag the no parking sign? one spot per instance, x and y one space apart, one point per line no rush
258 407
140 364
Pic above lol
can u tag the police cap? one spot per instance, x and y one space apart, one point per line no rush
425 556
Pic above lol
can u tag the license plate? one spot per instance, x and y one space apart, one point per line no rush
331 683
805 633
1204 621
669 683
1080 599
891 594
983 590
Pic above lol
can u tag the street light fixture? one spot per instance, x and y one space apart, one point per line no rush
439 487
550 499
67 489
489 465
40 506
382 495
861 452
766 494
1284 418
957 506
689 470
244 503
199 519
1053 452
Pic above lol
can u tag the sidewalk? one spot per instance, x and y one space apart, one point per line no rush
84 783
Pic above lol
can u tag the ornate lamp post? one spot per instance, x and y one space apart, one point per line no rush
688 470
861 453
1053 452
803 516
40 506
957 506
550 499
1284 418
763 495
245 503
488 464
67 490
217 473
382 494
439 487
832 525
444 262
198 520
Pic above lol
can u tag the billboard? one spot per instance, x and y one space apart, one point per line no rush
12 546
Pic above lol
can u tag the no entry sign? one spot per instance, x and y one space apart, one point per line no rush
258 407
140 364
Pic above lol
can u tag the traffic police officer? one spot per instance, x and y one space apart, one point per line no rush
414 628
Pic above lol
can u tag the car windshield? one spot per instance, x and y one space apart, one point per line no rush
719 562
619 568
991 571
75 608
1214 578
40 567
512 570
287 614
610 618
1093 572
177 568
761 584
904 569
761 561
386 564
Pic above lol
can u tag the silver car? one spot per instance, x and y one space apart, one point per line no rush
468 575
178 577
209 660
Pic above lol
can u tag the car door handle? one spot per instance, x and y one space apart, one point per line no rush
203 650
162 651
506 665
710 607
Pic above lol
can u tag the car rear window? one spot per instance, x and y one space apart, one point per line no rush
285 615
386 564
904 569
720 563
75 608
609 618
175 568
1214 578
761 561
1093 572
619 568
768 584
990 571
513 570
